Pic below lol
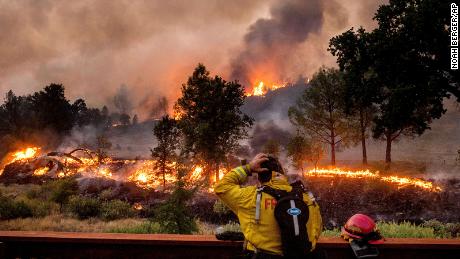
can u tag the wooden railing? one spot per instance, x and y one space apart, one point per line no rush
26 244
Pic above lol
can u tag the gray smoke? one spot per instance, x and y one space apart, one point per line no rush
123 100
270 43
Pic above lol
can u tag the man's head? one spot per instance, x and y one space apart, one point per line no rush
273 165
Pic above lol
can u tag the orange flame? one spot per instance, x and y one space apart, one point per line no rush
399 181
260 89
138 206
41 171
25 154
140 172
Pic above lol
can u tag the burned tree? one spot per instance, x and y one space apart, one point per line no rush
210 117
102 144
167 135
320 113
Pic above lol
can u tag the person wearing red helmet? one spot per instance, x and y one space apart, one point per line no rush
360 230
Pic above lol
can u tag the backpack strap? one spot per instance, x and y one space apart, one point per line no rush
298 186
277 194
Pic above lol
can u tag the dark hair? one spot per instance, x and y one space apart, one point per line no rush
272 164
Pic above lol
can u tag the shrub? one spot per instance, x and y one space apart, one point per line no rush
232 227
11 209
220 208
84 207
143 228
62 189
116 209
173 215
41 208
443 229
107 194
404 230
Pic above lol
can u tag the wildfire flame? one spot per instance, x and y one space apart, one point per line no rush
138 206
41 171
399 181
25 154
261 88
144 174
105 172
196 173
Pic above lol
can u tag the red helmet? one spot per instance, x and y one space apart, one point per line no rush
360 226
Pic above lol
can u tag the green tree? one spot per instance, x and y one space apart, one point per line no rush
301 149
16 117
320 110
173 215
410 53
354 59
210 117
167 136
62 189
53 110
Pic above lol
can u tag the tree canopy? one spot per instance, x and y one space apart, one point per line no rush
164 153
45 113
401 68
354 58
210 117
320 110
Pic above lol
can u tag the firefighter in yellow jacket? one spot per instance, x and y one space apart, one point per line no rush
256 214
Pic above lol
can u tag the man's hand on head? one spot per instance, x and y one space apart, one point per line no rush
256 161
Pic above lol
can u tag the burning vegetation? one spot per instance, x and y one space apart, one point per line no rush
30 165
261 88
400 182
387 197
30 162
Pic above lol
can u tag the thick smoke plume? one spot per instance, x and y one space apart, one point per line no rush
292 42
270 43
94 46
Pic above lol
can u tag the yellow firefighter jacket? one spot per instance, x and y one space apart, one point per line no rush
265 235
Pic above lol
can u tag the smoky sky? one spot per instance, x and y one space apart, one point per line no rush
270 41
95 46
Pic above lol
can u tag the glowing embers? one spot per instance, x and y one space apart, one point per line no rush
399 181
41 171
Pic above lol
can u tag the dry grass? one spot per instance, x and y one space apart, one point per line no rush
66 224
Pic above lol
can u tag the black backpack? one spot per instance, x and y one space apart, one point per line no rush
291 213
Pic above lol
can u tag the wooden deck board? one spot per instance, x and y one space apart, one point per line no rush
17 244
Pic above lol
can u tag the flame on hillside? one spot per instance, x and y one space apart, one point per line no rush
87 163
399 181
261 88
144 174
